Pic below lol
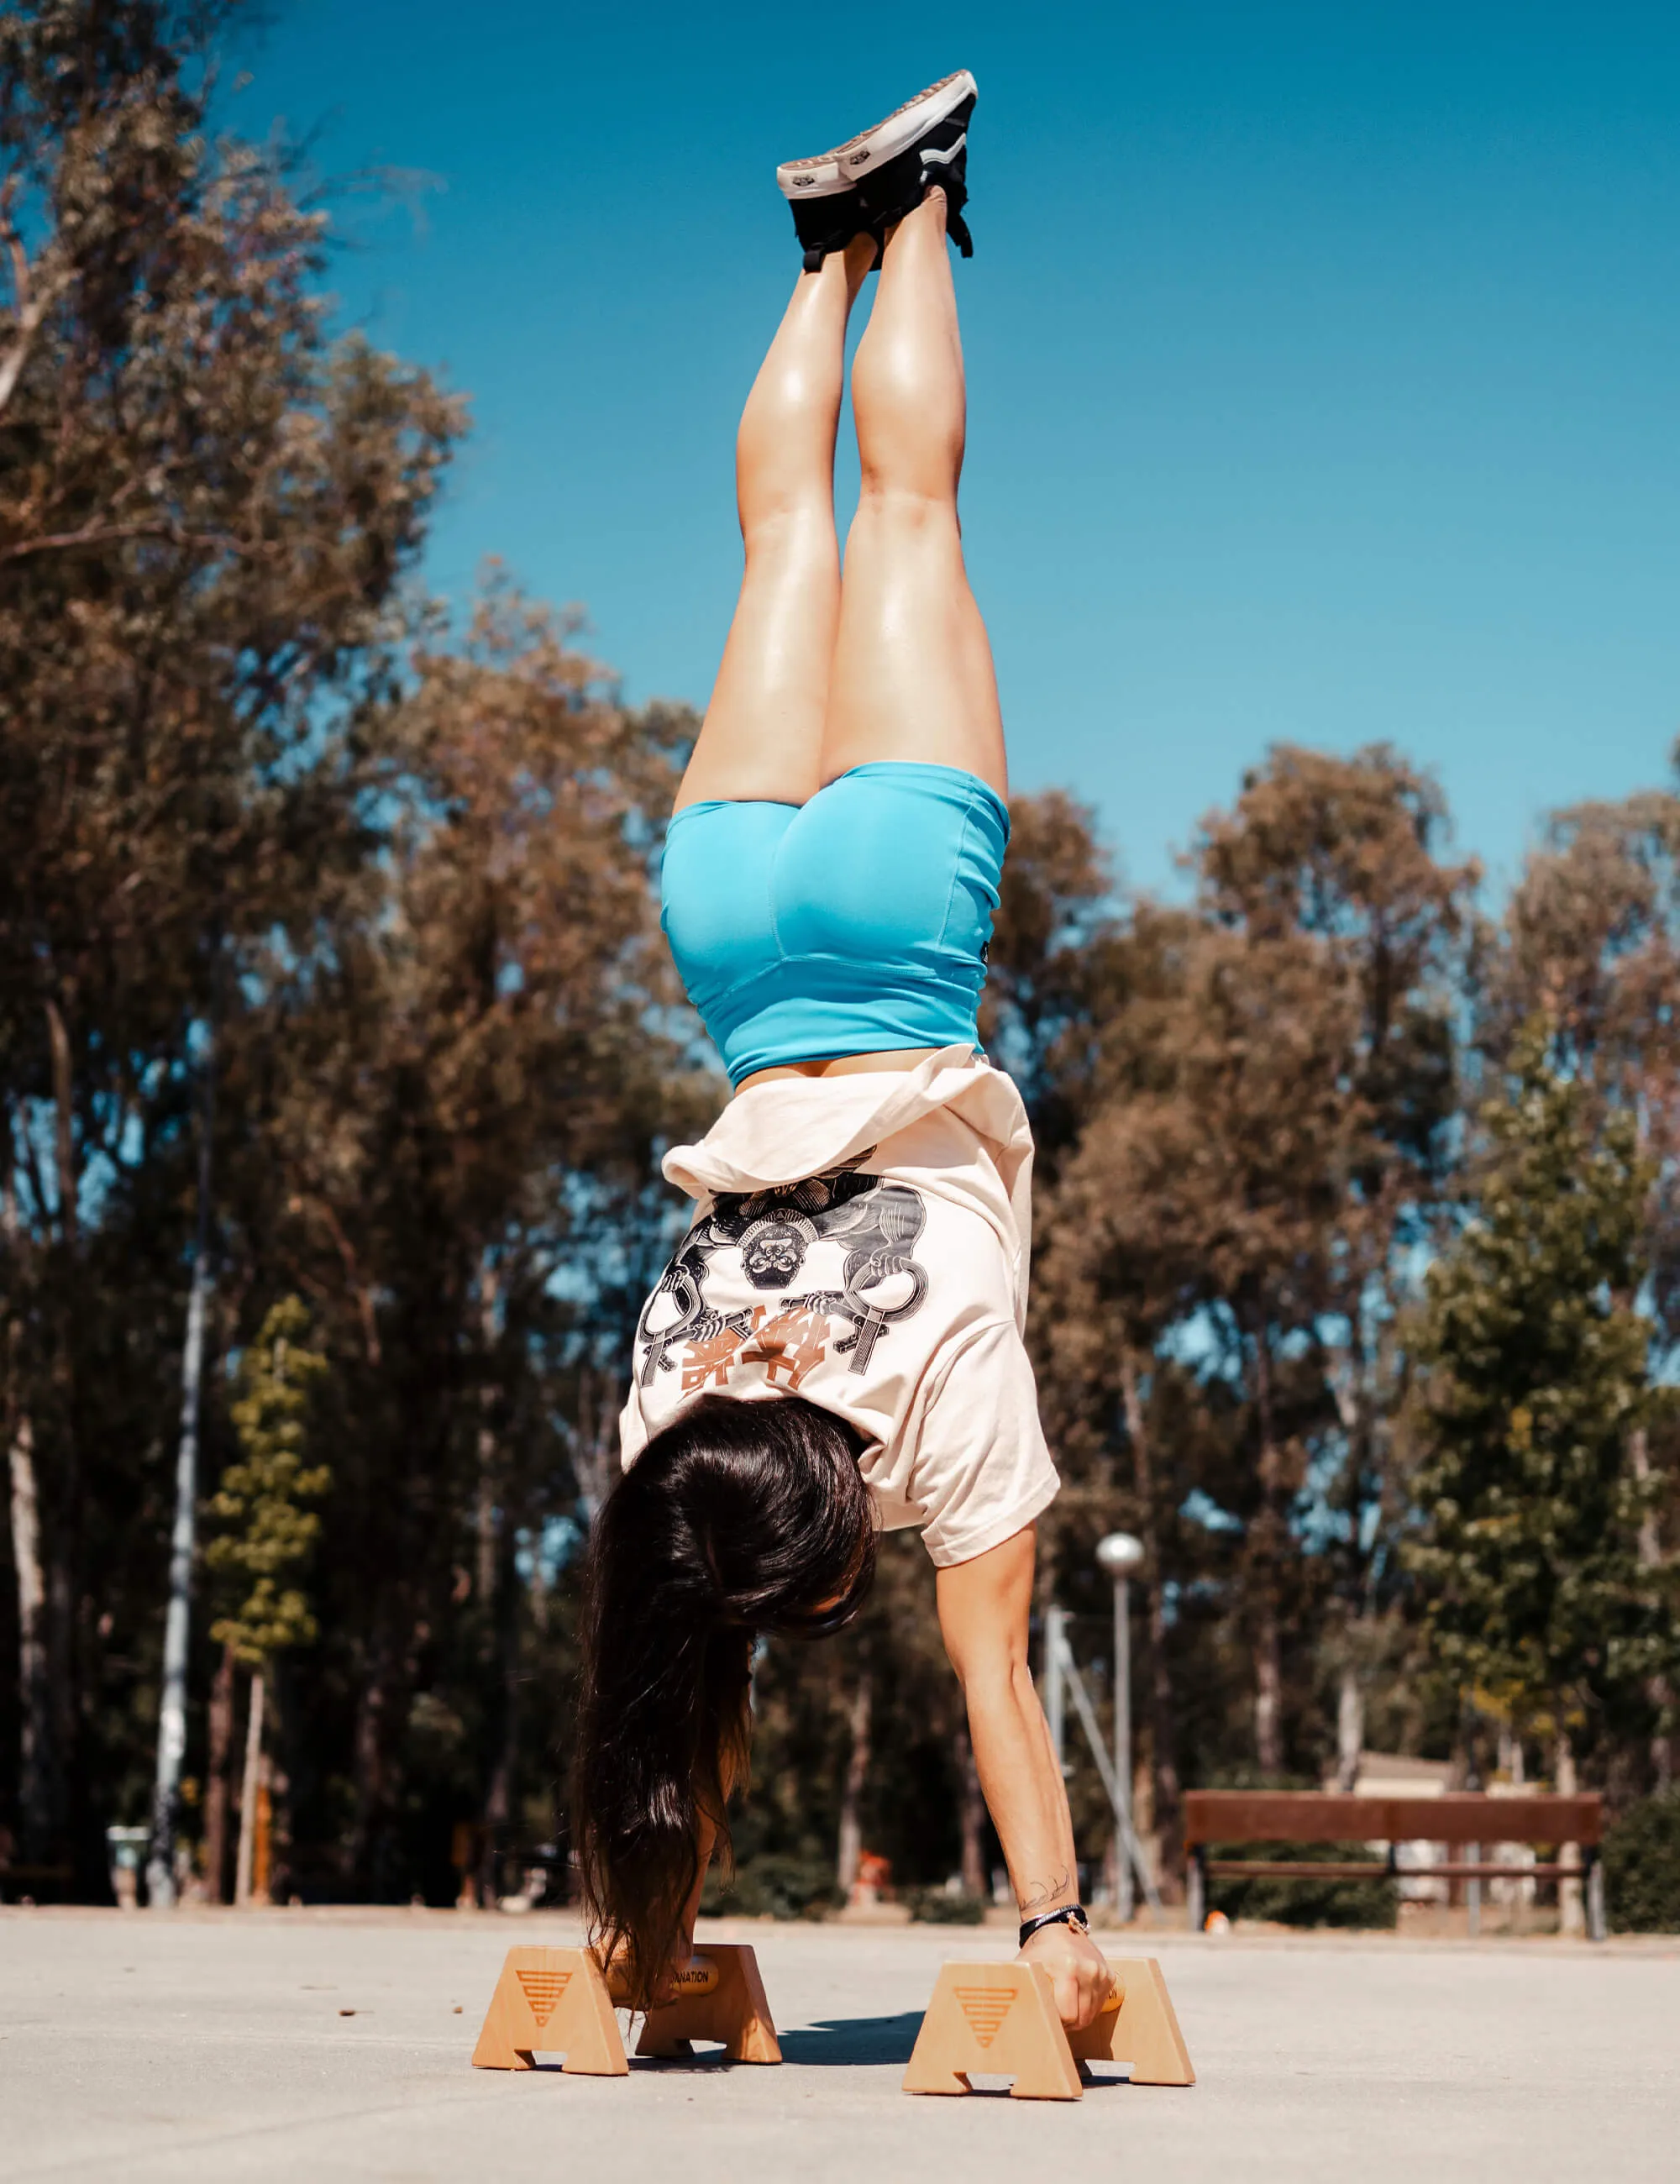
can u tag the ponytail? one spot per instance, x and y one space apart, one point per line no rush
740 1518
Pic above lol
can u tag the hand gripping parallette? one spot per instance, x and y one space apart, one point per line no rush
1001 2019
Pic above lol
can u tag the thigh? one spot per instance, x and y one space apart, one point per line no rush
913 678
762 735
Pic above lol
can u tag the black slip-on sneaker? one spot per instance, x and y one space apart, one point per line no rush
828 211
923 144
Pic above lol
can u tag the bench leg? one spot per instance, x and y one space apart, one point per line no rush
1196 1888
1595 1895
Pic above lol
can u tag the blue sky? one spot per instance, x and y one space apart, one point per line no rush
1324 360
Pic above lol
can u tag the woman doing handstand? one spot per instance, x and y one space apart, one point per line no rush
837 1346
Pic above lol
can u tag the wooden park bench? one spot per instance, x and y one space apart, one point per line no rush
1464 1821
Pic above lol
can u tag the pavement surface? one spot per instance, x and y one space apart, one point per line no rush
332 2046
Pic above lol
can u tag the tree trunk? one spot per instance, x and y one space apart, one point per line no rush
498 1605
499 1800
38 1803
244 1873
216 1782
1266 1536
262 1836
851 1801
160 1892
1349 1728
177 1626
1144 1824
1162 1714
373 1700
61 1523
1570 1916
592 1442
63 1120
275 1873
1268 1691
1659 1692
970 1815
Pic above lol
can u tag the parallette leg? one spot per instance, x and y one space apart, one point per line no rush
551 2001
730 2005
997 2018
1140 2027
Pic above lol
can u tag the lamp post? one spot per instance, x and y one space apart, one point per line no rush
1122 1556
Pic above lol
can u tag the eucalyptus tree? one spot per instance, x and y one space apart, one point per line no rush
206 511
1270 1134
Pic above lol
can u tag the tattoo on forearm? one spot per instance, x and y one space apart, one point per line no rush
1045 1895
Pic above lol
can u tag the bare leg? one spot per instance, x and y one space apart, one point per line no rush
912 677
762 739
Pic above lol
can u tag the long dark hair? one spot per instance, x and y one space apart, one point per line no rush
739 1517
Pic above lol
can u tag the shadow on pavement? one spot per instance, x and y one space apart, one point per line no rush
852 2040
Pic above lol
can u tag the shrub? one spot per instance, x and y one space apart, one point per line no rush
774 1885
1303 1903
1642 1867
937 1907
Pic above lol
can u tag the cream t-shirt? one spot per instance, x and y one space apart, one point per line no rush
862 1241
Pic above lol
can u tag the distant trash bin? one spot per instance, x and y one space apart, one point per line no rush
126 1852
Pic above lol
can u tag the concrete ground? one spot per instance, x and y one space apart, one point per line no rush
332 2046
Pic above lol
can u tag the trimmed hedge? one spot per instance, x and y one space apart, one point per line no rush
1642 1867
1292 1902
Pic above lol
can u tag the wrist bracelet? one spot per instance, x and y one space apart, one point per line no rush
1070 1914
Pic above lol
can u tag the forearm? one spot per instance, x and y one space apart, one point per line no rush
1022 1786
985 1611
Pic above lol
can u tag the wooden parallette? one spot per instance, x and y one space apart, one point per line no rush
721 1997
1001 2019
558 2002
551 2001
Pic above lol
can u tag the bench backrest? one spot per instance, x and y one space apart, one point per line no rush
1234 1816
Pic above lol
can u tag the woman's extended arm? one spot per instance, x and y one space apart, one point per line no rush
983 1610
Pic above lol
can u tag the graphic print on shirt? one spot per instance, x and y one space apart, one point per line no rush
699 1308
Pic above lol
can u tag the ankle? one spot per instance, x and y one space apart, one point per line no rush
860 255
932 212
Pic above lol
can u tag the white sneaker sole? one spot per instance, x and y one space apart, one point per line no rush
822 177
831 172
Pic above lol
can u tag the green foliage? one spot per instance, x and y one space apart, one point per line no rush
266 1533
1534 1379
774 1884
1298 1903
1642 1867
937 1907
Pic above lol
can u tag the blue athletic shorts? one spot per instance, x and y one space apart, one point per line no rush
854 924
